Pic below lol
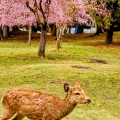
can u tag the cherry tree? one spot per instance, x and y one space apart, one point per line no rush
98 11
13 13
69 12
105 12
42 12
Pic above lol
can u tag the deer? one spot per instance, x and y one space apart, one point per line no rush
36 105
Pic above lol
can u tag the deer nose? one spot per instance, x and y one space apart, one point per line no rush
88 101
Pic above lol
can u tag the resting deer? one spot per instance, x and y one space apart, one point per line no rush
36 105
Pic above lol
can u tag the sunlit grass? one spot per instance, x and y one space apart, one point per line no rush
20 67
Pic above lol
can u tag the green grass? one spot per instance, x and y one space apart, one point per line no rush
20 67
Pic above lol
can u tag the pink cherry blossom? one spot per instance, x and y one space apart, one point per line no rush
15 12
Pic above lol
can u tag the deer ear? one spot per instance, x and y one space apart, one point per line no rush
77 84
66 87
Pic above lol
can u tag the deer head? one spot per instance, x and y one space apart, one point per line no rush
76 94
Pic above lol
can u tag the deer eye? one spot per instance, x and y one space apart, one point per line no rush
77 93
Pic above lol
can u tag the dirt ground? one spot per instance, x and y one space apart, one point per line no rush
22 36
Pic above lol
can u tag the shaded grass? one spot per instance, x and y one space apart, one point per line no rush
20 67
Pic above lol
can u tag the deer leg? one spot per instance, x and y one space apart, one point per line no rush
6 114
18 117
35 119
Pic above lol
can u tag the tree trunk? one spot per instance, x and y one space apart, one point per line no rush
112 6
41 51
30 32
6 32
109 35
99 30
1 34
59 40
53 29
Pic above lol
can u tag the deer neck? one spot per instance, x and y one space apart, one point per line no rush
66 106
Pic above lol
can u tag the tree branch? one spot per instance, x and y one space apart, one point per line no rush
28 6
41 9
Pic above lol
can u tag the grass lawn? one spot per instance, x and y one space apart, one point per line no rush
20 67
